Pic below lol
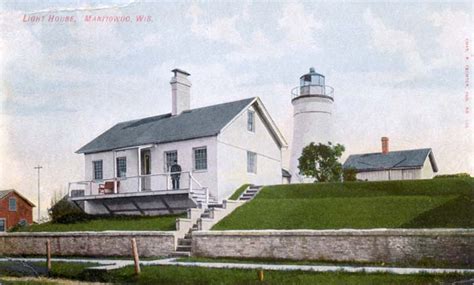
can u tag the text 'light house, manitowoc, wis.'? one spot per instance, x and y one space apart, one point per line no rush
219 148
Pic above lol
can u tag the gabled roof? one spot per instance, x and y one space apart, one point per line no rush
192 124
404 159
4 193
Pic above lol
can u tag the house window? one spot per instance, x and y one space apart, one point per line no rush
251 121
200 158
251 162
170 158
98 171
121 167
12 204
3 225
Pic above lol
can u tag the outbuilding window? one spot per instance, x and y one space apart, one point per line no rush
200 158
97 170
12 204
251 162
251 121
121 167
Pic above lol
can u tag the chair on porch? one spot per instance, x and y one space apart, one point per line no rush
108 187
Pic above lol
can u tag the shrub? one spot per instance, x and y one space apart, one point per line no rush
455 175
349 174
18 227
320 161
65 210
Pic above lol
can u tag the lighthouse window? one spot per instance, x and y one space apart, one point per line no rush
251 121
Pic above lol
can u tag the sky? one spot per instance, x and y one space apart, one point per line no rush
398 70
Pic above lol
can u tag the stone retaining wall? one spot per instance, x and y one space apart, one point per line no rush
453 246
110 243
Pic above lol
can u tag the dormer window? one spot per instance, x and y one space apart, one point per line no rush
251 121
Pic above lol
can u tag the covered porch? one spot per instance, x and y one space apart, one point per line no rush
122 180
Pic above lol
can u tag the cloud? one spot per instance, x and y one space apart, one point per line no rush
297 26
447 48
222 29
391 41
453 29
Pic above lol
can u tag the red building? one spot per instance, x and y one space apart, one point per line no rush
14 209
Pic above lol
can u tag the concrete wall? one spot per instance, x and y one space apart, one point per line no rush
87 243
233 144
398 245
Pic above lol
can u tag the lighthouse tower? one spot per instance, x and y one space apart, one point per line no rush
312 111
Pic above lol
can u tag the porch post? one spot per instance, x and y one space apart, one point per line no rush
190 182
115 170
139 168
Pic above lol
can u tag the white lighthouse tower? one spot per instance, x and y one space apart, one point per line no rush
312 111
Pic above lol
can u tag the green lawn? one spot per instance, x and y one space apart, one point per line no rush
239 192
427 263
158 223
438 203
194 275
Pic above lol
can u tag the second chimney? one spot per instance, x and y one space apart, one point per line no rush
385 145
180 92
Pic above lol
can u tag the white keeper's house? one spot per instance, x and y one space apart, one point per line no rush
393 165
219 148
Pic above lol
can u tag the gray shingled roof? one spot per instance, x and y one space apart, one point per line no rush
4 193
392 160
195 123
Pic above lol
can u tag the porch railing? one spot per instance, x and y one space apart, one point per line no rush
141 183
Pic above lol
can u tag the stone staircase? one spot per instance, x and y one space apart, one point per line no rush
199 219
250 193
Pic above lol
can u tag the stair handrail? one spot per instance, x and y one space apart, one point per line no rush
202 188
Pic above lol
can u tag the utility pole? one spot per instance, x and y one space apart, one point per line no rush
39 196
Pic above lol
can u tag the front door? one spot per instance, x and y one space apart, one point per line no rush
146 169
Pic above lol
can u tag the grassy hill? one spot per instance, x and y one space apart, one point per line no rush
437 203
117 223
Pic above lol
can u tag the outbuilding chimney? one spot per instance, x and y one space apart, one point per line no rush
385 145
180 92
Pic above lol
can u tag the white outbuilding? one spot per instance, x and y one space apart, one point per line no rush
393 165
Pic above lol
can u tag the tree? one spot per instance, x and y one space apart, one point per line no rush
321 162
349 174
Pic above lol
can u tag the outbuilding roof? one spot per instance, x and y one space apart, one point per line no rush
191 124
403 159
4 193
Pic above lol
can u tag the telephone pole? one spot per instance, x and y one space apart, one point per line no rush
39 196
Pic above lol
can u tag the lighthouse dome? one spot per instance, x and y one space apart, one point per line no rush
312 84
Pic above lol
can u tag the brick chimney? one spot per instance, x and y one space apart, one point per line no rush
385 149
180 92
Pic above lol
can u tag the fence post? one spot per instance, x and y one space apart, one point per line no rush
48 254
207 196
135 256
